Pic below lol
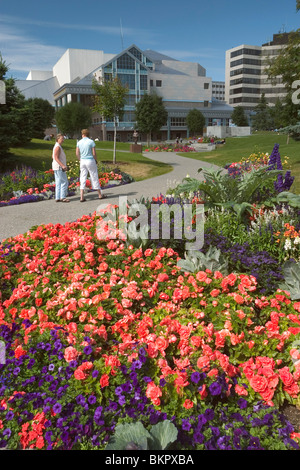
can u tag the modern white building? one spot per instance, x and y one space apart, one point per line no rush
182 85
246 77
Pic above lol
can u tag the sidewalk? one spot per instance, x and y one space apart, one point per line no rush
15 220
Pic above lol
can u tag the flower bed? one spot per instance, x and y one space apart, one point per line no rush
100 332
170 148
27 185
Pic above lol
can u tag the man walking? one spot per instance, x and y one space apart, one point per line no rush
86 154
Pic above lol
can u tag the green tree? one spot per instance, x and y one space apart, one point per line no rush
150 114
287 65
195 121
73 117
109 102
42 116
262 120
238 117
281 113
292 130
14 115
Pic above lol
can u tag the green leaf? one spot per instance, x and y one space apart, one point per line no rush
129 434
163 433
291 272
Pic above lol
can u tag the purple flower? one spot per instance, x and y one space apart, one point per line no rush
186 425
242 403
57 408
10 415
215 388
88 350
92 399
195 377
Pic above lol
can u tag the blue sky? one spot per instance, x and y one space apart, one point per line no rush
34 34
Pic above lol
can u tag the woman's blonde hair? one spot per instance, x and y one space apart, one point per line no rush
58 137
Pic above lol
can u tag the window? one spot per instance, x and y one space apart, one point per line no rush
206 86
151 82
143 82
126 62
205 104
127 79
136 53
245 51
158 83
178 121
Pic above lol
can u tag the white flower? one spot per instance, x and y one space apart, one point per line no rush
287 245
297 241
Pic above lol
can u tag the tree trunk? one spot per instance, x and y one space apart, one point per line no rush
115 143
288 138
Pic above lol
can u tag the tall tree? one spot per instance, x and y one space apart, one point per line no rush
195 121
238 117
150 114
73 117
262 120
278 114
42 115
14 115
109 102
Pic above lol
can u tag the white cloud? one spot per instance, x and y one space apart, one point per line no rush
22 52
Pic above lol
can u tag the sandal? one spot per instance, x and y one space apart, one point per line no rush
58 200
82 200
102 197
65 200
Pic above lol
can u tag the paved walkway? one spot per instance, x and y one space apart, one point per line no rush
15 220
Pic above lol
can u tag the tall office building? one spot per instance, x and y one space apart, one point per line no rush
246 76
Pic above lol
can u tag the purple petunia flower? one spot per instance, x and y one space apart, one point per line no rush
215 388
92 399
57 408
195 377
242 403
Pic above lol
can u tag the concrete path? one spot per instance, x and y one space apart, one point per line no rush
15 220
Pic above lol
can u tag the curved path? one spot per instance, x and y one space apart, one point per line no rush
15 220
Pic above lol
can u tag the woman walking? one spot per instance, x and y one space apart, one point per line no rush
59 166
86 154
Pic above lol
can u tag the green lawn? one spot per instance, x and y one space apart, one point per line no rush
238 147
38 155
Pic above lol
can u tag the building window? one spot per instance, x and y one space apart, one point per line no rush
206 86
245 61
151 82
136 53
158 83
126 62
127 79
245 51
205 104
178 121
143 82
